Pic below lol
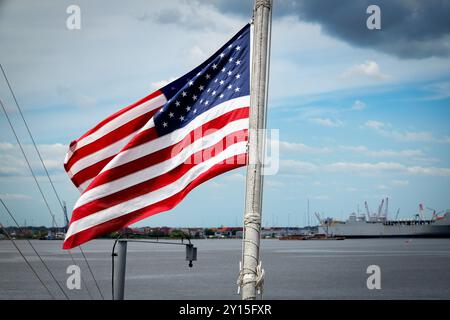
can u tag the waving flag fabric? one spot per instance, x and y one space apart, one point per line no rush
145 158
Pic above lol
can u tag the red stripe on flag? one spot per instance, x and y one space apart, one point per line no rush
120 112
167 204
110 138
160 181
166 153
93 170
90 172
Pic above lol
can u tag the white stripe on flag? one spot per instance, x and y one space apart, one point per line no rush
106 152
84 185
176 136
124 118
93 158
150 198
162 167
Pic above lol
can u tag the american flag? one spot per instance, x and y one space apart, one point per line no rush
145 158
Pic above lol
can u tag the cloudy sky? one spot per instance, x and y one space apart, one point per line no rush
363 114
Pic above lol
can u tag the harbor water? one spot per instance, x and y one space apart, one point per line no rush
409 269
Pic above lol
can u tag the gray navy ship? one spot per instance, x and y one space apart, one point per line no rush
378 225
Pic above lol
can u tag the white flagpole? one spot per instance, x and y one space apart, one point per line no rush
250 272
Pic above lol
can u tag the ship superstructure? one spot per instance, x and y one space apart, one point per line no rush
378 225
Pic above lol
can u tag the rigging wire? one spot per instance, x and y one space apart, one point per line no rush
35 251
35 179
84 283
5 232
50 180
92 274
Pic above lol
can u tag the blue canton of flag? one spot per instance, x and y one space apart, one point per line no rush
224 76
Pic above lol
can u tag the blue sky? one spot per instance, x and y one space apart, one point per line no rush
357 121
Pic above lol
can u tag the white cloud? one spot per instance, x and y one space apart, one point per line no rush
358 105
359 149
400 183
11 165
14 196
431 171
439 91
286 146
197 54
392 153
407 153
297 167
214 184
411 136
368 69
105 65
319 197
193 16
377 196
159 84
234 177
80 99
53 154
385 167
326 122
374 124
274 184
5 146
405 136
12 162
363 167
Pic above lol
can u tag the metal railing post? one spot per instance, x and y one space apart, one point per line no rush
119 271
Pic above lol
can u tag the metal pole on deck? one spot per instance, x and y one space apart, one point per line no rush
119 270
253 200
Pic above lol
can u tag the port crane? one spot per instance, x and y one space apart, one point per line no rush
396 216
380 208
318 217
380 213
386 208
421 211
435 214
367 210
66 218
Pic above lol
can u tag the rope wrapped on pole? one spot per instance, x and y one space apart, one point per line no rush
251 274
